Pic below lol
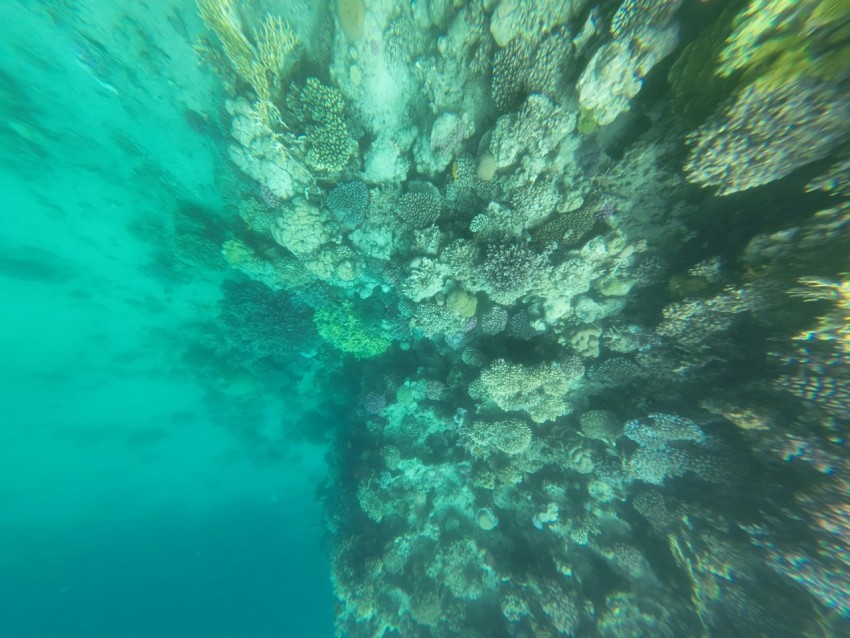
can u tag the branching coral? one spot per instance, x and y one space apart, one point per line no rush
420 207
511 270
799 121
320 110
348 202
517 268
530 136
656 459
263 64
835 325
259 322
602 425
792 108
537 390
510 437
426 279
351 332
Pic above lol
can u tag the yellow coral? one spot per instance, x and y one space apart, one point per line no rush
778 41
462 303
221 18
262 66
835 325
352 14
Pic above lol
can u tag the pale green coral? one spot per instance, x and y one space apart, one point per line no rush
350 332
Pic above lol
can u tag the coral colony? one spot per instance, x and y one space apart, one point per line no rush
601 372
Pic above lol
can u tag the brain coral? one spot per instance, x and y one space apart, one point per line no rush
301 230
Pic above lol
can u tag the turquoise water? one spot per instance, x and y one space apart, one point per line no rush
131 506
394 320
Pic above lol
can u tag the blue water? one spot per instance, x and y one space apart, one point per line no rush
129 505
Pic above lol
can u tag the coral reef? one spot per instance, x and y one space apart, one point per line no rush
601 376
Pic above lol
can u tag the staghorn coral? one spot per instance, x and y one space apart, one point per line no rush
823 382
833 327
792 57
614 372
261 63
665 428
508 82
800 121
656 459
654 465
692 322
558 605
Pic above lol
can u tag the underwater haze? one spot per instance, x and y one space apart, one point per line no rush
376 319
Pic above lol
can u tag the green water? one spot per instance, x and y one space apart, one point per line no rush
388 320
